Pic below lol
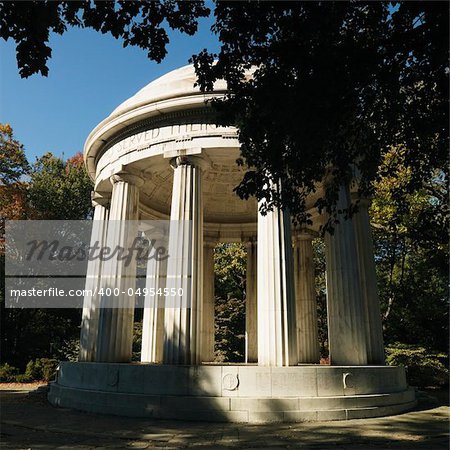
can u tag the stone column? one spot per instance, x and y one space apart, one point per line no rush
346 317
208 303
251 310
117 313
153 319
277 333
366 265
306 305
183 321
91 303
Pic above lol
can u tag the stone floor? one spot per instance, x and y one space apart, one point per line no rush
29 422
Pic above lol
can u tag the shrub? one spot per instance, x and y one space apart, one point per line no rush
8 373
423 368
68 350
137 341
22 378
32 371
41 369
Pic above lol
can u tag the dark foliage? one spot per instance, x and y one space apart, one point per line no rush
138 23
333 83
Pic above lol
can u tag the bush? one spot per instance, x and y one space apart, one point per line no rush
137 341
41 369
423 368
68 350
8 373
22 378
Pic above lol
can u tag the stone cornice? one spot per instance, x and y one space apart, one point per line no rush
303 234
198 115
362 201
170 109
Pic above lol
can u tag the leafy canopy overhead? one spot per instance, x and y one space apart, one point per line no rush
334 83
139 23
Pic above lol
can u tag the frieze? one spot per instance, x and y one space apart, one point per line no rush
169 133
169 137
164 135
197 115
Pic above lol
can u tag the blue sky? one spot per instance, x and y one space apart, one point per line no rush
90 74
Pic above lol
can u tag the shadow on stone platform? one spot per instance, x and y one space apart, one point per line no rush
28 421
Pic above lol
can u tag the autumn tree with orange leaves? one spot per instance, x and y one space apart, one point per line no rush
13 168
51 188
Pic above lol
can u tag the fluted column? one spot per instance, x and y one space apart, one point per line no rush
306 305
251 310
208 302
182 321
117 312
91 303
346 316
154 307
277 335
366 264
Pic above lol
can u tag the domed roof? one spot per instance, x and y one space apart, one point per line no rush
177 83
172 92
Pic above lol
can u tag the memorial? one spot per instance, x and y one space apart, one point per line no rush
160 156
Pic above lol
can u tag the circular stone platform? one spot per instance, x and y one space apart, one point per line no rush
233 393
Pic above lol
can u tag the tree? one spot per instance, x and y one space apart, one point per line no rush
51 189
411 248
137 23
60 190
334 84
13 162
13 168
230 278
57 190
321 295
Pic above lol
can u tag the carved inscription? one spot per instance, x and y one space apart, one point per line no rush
154 135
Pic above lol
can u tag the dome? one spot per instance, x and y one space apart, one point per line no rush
169 118
172 93
177 83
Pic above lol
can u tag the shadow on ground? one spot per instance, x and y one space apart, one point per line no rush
28 421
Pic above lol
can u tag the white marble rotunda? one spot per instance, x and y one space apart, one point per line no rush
159 155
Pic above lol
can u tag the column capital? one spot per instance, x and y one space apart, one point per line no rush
196 161
303 234
100 198
251 242
127 177
362 201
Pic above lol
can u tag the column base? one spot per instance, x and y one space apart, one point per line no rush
233 393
